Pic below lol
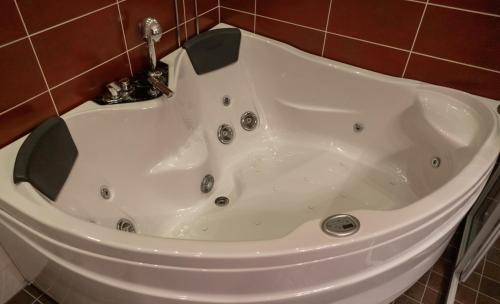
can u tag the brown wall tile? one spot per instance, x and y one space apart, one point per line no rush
487 6
91 84
20 77
242 5
238 19
203 7
40 14
11 27
74 47
313 13
303 38
448 74
369 56
392 22
461 36
19 121
207 21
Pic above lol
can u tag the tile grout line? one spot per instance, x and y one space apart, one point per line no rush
124 38
414 39
425 287
36 57
26 291
59 24
88 70
464 10
23 102
185 19
326 28
457 62
480 281
255 16
13 41
48 90
488 296
218 8
370 42
74 19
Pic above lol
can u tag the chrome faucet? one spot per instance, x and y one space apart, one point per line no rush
144 85
151 32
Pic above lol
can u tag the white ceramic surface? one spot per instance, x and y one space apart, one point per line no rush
303 163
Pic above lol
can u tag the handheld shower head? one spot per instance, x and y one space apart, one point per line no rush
151 32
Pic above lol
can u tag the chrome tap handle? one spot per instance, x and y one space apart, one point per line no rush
155 79
151 32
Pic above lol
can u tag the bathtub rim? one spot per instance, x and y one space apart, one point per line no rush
478 167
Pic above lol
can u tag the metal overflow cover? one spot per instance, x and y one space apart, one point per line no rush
249 121
340 225
225 134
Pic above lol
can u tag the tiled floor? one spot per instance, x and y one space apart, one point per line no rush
482 287
31 295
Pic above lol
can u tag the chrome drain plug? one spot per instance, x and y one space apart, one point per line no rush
340 225
207 184
225 134
249 121
126 225
221 201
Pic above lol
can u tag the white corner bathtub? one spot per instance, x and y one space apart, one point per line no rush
304 162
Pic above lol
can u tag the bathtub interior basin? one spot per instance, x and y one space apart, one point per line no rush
328 141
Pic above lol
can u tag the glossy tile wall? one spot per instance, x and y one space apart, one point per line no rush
56 54
454 43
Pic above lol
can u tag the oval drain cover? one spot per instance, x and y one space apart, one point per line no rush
340 225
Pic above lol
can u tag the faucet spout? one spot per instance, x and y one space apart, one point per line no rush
156 79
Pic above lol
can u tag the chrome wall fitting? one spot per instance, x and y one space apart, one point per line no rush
249 121
225 134
340 225
151 32
207 183
126 225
